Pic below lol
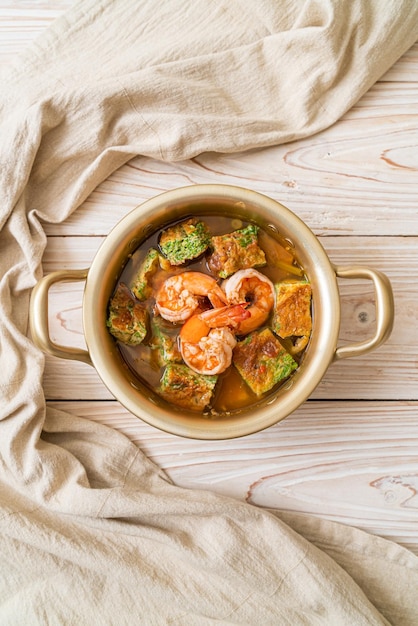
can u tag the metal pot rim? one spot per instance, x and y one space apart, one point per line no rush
166 207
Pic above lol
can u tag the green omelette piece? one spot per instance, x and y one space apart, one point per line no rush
185 388
141 284
165 344
235 251
184 241
262 361
127 319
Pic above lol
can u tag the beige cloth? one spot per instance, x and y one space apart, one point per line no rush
92 532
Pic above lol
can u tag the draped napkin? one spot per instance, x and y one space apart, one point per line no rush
92 532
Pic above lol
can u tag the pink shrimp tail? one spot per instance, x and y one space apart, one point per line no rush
226 316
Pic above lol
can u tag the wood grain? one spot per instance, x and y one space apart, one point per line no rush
350 453
390 372
346 461
22 21
357 176
406 69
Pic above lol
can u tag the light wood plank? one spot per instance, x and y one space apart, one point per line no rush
349 453
358 176
389 372
21 22
336 181
406 69
352 462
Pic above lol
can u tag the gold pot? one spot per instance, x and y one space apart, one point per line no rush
100 280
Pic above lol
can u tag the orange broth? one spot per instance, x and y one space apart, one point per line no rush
231 392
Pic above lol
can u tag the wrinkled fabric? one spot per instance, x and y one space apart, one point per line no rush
91 530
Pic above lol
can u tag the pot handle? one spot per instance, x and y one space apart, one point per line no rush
38 316
385 310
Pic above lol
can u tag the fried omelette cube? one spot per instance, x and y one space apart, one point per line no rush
185 388
141 284
262 361
292 309
235 251
128 319
185 241
165 345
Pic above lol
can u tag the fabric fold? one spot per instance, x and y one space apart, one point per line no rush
89 526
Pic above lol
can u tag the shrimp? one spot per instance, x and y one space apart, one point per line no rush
207 339
249 285
180 295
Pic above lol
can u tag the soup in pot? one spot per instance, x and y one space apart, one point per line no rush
212 313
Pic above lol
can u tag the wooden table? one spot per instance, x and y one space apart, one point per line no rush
350 453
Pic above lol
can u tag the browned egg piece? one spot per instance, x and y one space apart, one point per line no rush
261 357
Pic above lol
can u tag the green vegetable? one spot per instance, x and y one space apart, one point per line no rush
184 242
141 285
